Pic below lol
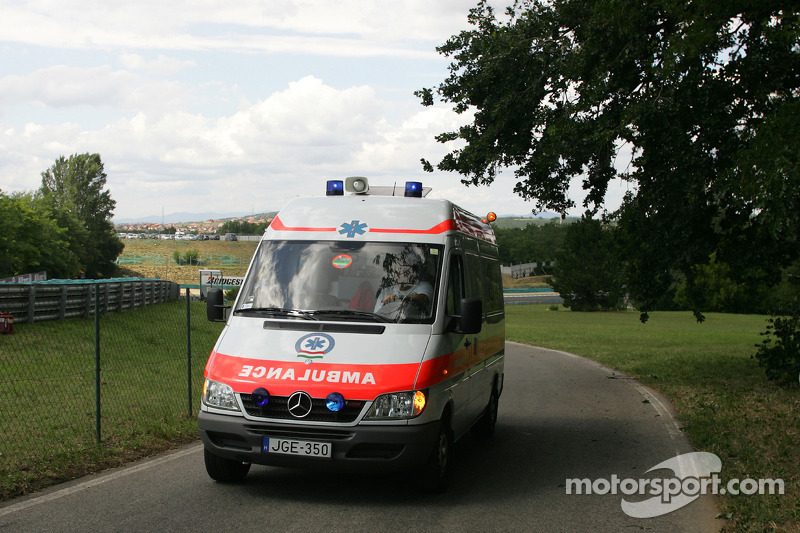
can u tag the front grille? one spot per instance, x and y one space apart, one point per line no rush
277 409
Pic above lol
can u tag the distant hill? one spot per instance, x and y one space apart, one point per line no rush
173 218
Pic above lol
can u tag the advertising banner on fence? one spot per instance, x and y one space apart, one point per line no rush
26 278
214 278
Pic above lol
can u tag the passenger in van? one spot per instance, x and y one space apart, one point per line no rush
364 298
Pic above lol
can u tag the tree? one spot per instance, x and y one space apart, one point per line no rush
74 189
588 273
242 227
30 240
703 96
533 243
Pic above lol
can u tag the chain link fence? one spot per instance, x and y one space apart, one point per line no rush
83 394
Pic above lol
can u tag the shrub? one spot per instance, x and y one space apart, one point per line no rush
781 358
231 294
190 257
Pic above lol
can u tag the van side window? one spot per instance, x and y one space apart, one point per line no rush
455 286
493 286
475 280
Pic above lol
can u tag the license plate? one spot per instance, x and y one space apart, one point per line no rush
296 447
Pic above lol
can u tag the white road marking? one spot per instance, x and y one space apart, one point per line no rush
98 480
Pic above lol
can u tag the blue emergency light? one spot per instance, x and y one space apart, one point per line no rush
334 402
260 397
335 188
413 189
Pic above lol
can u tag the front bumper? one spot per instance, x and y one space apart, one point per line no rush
354 448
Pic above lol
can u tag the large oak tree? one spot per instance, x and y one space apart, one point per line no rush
694 103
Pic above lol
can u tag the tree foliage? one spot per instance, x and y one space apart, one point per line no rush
694 103
588 271
74 190
531 244
31 240
242 227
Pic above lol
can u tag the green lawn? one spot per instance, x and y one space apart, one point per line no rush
722 396
47 392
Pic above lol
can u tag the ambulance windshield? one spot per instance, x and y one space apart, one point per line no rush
322 280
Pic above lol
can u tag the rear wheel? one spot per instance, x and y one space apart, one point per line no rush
436 470
225 470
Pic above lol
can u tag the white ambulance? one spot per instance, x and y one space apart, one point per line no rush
368 335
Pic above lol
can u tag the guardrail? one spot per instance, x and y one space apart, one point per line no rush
61 299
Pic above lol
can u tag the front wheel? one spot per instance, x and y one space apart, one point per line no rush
225 470
436 471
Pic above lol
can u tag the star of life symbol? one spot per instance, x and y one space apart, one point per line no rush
314 345
353 228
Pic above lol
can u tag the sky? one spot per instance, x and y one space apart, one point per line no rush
210 106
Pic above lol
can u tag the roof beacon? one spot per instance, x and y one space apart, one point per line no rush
413 189
334 188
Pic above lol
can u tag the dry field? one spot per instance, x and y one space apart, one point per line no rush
531 282
146 258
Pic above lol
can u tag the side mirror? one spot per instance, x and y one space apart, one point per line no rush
471 316
215 305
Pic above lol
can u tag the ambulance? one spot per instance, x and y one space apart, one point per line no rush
368 335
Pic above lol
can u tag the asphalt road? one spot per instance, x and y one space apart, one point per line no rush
560 417
527 298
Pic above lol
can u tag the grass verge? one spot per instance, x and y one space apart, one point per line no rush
48 402
723 398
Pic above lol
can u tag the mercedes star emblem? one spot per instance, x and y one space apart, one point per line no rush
299 404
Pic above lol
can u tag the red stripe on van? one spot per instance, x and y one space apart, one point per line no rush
441 227
461 224
278 225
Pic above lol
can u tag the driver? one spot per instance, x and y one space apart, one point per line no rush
406 288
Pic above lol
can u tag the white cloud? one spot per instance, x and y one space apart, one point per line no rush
162 65
198 105
346 27
259 157
61 86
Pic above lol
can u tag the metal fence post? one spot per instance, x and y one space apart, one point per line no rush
189 350
97 363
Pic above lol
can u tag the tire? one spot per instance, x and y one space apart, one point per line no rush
225 470
436 471
485 426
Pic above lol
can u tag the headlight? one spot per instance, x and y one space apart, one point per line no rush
216 394
398 405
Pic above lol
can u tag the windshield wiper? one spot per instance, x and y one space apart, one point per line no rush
276 311
351 312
